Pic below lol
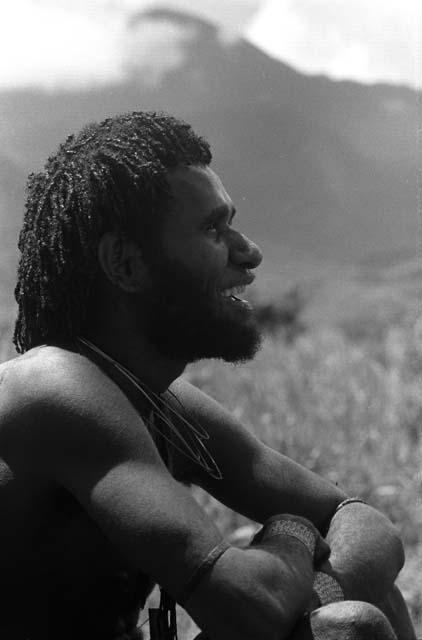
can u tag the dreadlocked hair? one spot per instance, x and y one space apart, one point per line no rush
109 177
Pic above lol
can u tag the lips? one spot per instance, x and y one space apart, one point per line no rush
232 296
233 292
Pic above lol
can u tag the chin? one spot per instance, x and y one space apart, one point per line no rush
236 346
242 349
240 340
194 331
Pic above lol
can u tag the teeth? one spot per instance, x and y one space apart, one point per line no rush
234 291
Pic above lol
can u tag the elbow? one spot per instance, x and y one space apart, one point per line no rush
391 559
394 544
398 553
392 562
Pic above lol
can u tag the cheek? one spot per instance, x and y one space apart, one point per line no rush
205 261
211 257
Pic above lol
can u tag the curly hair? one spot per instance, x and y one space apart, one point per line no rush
109 177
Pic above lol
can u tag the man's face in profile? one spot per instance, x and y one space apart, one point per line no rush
195 300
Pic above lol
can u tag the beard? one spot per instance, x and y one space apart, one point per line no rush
186 321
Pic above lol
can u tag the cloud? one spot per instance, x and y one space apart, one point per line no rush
142 48
231 15
366 41
44 44
71 43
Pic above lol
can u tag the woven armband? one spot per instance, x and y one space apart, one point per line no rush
348 501
327 588
279 528
200 571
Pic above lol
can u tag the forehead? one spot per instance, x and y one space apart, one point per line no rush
197 191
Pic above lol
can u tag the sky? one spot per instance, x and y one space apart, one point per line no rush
67 43
365 40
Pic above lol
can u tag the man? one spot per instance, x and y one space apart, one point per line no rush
132 267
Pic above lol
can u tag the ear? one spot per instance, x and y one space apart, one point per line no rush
121 260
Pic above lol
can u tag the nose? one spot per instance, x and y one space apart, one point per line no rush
244 252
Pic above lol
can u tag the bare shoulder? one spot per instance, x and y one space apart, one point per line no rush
53 400
51 378
47 373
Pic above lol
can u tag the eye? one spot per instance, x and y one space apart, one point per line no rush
218 227
213 228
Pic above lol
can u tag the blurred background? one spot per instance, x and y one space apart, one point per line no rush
313 110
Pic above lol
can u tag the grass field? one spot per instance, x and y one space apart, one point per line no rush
347 405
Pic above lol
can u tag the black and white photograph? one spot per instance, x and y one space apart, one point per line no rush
211 320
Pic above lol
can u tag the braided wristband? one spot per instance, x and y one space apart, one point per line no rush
348 501
200 571
327 588
294 530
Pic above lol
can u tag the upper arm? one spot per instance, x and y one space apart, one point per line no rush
86 437
257 481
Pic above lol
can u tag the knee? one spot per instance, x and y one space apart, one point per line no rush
351 620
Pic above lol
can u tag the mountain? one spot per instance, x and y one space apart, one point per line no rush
320 171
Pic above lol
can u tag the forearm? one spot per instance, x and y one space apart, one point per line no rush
271 483
253 593
366 553
262 590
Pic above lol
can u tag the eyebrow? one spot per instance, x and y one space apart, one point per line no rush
223 211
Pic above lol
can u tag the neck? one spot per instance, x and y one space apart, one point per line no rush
140 357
